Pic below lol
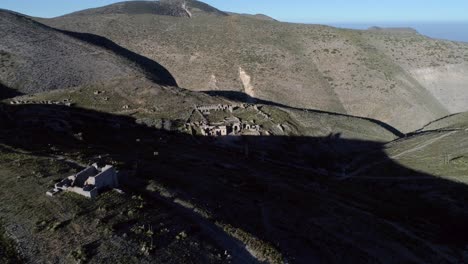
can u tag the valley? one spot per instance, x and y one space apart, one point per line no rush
382 75
236 139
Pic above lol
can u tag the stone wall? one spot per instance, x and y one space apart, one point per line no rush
65 102
107 178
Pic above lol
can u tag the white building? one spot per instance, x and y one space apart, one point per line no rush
88 182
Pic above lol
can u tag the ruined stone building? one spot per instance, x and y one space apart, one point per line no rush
88 182
236 128
232 129
247 126
214 130
206 109
65 102
232 126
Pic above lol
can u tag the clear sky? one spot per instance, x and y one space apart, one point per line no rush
306 11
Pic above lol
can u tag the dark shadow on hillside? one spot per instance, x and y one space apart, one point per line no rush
245 98
154 71
285 190
6 92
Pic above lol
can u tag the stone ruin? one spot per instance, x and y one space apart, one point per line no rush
88 182
206 109
231 129
65 102
214 130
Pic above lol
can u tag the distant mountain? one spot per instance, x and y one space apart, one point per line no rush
257 16
35 58
394 30
453 31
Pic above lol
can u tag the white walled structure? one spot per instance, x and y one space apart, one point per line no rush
88 182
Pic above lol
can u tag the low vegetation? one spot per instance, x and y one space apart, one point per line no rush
8 250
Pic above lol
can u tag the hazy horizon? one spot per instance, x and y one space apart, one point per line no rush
453 31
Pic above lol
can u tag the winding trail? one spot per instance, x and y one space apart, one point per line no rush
396 156
429 142
237 249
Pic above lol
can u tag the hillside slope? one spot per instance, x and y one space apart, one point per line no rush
454 122
439 66
439 149
35 58
375 74
151 105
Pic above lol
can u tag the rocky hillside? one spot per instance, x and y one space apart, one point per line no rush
403 79
35 58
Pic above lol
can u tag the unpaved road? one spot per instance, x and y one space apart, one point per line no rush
396 156
237 249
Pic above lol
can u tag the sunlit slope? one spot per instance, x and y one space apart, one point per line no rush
306 66
440 66
439 149
455 121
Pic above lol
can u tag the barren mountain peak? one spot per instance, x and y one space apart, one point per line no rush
175 8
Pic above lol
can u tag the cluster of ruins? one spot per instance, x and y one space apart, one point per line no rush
88 182
228 129
65 102
230 126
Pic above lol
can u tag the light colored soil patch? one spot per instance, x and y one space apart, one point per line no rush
246 82
447 83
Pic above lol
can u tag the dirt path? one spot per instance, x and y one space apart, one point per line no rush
234 247
396 156
429 142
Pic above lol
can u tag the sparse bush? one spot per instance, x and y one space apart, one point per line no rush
8 253
262 250
80 255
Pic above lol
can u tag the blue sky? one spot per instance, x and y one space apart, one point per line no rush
306 11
